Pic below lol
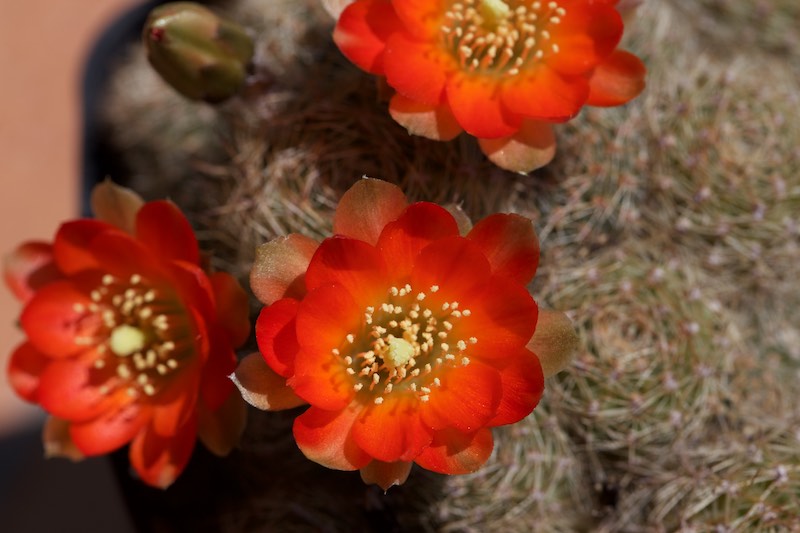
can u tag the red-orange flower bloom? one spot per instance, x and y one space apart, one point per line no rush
409 340
129 339
501 70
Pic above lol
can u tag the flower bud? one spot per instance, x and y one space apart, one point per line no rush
203 56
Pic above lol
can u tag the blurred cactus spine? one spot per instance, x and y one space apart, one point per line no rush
201 55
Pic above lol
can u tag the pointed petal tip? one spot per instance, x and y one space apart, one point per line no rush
116 205
385 475
554 342
57 441
261 387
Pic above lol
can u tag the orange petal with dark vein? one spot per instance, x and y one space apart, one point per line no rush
366 208
24 370
111 430
510 244
261 387
431 121
454 452
70 389
532 147
617 80
324 437
279 268
56 322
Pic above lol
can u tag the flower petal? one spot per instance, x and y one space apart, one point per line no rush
617 80
215 387
165 232
503 318
324 437
522 387
57 441
353 265
325 318
195 289
277 337
510 244
177 404
431 121
362 30
403 239
421 18
261 387
532 147
109 431
416 70
29 267
233 311
366 208
586 35
221 430
56 321
160 460
454 452
393 430
454 264
116 205
475 102
467 398
544 94
554 341
24 370
386 475
71 389
71 249
279 268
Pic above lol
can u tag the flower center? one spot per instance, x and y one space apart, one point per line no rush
125 340
137 334
405 345
500 37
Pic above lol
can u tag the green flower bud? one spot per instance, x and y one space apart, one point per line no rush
203 56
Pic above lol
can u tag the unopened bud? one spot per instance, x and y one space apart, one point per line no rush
203 56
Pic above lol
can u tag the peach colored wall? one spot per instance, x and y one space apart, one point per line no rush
43 44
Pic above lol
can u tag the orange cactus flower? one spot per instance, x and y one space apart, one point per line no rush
408 340
129 340
502 70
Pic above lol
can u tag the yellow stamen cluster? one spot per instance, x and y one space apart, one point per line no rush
500 37
135 334
405 345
